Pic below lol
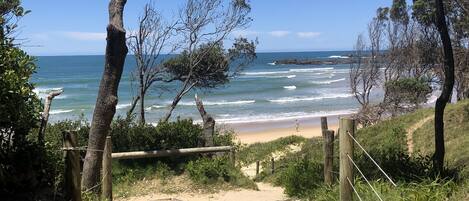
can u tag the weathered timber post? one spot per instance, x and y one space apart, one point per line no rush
45 115
107 167
328 156
323 125
272 161
72 178
208 123
347 128
257 167
233 156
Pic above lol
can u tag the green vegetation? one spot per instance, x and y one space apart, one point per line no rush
300 173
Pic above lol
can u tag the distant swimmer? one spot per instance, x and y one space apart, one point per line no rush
297 125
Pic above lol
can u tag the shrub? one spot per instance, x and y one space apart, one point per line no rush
301 177
207 170
218 169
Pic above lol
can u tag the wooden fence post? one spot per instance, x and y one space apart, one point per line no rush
233 156
107 170
72 178
323 124
257 167
347 126
328 156
273 166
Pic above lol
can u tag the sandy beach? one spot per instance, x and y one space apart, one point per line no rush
268 131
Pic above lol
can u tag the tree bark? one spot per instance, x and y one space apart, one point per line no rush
142 100
132 106
208 123
45 115
116 51
438 158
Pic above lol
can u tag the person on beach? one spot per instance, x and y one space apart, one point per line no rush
297 125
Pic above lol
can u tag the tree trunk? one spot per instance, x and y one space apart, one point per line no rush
186 88
116 51
209 123
142 101
447 87
132 106
45 115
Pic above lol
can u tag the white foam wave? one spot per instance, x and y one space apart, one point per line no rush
290 87
291 76
272 64
338 57
310 98
155 107
223 102
59 111
305 70
328 81
296 70
122 106
43 92
283 116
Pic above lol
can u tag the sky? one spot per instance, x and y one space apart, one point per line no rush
60 27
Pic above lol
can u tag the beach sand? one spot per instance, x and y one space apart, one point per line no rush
250 133
272 134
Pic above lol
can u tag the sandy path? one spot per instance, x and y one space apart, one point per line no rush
410 131
266 192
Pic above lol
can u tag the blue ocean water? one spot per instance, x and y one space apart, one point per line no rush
263 92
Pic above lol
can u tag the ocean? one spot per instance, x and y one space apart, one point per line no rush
263 92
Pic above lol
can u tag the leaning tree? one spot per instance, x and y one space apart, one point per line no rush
203 26
116 51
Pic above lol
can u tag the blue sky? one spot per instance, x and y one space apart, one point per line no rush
60 27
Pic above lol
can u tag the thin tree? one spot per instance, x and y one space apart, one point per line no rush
209 23
146 44
448 84
216 68
116 51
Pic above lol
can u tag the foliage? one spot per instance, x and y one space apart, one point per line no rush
211 71
260 151
301 177
24 168
212 170
130 136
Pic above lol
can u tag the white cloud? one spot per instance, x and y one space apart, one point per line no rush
279 33
86 36
245 33
308 34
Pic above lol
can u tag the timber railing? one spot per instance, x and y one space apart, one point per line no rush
72 162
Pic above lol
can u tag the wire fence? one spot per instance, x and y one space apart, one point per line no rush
350 159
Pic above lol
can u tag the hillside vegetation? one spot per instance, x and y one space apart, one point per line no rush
300 173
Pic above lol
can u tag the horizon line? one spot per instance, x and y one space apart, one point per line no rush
261 52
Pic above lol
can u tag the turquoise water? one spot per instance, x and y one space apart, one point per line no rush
263 92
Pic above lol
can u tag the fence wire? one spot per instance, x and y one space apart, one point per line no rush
354 190
368 182
374 162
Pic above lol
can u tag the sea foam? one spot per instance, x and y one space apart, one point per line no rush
223 102
290 87
283 116
328 81
310 98
59 111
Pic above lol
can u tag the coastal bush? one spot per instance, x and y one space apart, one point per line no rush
301 177
218 169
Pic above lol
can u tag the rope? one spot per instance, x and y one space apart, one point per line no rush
354 190
372 188
367 154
